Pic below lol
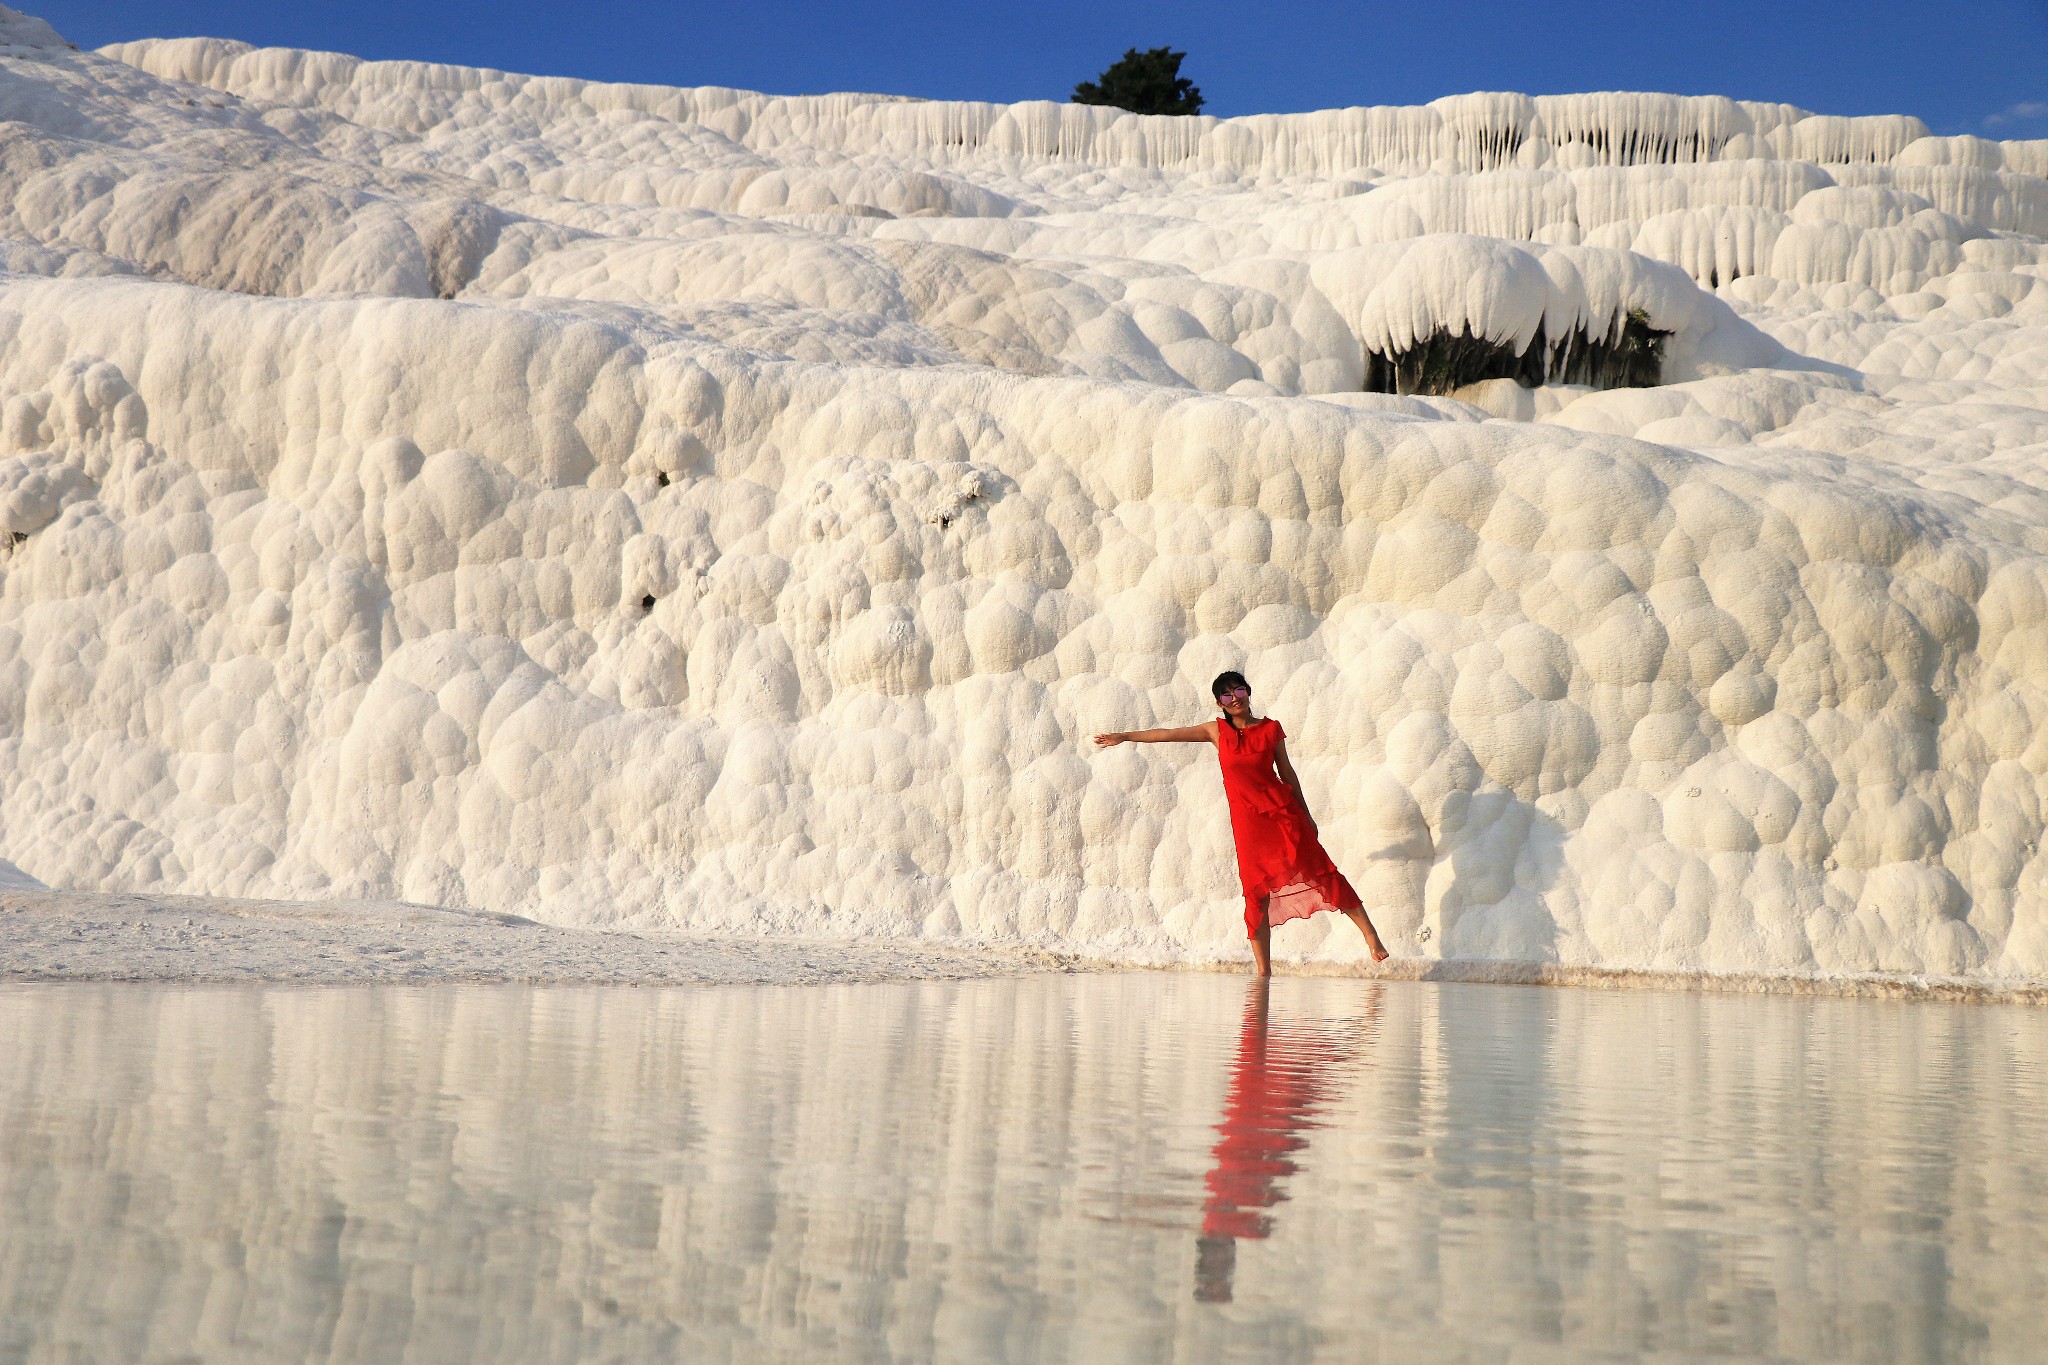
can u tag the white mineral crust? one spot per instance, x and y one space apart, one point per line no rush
696 509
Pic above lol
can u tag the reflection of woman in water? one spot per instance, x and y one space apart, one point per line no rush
1282 1079
1280 861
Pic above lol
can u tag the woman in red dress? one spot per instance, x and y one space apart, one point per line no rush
1286 874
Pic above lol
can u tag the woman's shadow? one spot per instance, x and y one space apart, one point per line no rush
1284 1079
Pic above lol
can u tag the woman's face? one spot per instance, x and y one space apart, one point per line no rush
1236 703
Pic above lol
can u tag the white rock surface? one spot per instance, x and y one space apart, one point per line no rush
77 936
703 510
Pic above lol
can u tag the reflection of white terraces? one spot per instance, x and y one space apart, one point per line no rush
382 1176
696 507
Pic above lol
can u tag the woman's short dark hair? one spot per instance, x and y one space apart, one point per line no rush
1228 682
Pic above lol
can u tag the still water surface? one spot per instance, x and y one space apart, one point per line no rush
1104 1168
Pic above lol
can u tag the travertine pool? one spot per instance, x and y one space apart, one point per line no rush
1124 1167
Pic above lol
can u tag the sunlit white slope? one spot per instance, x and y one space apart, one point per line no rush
622 504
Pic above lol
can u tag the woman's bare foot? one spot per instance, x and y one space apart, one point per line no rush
1372 936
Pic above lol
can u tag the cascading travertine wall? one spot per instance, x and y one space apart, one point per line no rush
566 499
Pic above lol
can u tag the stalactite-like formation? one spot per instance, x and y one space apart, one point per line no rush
1629 356
1479 131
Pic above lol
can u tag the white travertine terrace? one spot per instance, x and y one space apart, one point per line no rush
620 504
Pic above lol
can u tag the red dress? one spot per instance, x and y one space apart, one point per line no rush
1285 872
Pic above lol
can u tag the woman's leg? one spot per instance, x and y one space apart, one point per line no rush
1262 949
1372 937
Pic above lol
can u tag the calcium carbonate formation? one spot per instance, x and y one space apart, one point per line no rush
696 508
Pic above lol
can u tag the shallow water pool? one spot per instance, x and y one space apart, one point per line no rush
1105 1168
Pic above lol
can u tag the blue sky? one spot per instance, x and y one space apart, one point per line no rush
1968 67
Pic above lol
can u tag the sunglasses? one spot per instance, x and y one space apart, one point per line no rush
1235 694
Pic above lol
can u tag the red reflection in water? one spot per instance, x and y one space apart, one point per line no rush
1284 1077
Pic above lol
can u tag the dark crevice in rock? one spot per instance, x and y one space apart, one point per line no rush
1632 358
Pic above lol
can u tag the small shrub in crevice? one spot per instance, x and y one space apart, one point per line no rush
1631 357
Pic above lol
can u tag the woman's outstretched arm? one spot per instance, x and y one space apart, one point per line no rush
1185 734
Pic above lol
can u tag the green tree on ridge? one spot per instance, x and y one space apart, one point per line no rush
1144 83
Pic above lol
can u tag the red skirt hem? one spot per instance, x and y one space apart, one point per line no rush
1300 896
